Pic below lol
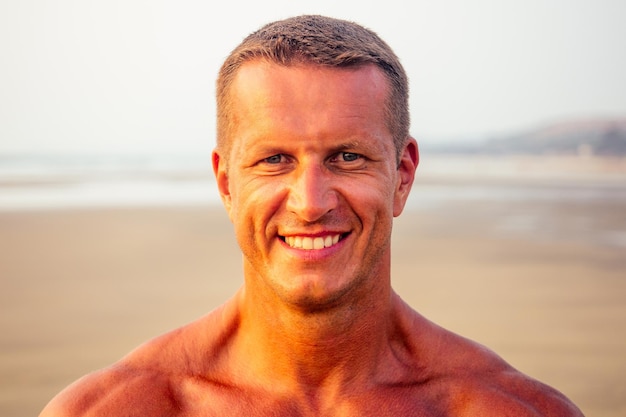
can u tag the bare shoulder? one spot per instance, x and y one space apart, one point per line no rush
509 392
146 382
468 379
488 386
111 391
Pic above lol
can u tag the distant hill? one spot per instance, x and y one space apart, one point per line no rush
582 137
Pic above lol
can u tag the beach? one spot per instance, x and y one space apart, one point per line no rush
541 281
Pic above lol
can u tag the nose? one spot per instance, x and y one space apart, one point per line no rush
311 193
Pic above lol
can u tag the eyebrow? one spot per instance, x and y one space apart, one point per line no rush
356 145
367 146
347 145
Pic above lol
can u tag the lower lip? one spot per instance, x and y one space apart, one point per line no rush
314 254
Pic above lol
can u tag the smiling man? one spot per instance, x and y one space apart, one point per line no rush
313 162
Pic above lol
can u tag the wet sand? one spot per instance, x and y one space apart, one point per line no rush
80 288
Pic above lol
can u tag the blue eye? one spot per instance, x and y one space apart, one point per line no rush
274 159
349 156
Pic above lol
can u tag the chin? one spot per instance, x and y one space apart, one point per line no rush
312 297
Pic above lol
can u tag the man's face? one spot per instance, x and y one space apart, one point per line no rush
312 183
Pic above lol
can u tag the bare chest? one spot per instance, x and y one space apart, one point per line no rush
223 402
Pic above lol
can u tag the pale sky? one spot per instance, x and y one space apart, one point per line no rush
138 75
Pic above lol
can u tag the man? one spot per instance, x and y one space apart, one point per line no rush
313 162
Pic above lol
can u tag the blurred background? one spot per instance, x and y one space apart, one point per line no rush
111 230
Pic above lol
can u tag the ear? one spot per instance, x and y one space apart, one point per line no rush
409 159
221 177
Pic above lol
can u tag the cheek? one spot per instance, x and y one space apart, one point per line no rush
255 204
373 207
376 196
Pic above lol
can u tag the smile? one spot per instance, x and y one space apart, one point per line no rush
312 243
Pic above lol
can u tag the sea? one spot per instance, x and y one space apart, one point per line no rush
44 182
497 196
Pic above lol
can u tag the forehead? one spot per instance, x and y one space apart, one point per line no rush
365 81
307 98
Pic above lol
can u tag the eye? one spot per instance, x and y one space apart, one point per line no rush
350 156
348 160
274 159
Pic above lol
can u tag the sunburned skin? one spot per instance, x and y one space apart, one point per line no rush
424 371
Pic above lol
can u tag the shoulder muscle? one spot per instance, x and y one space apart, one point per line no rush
114 391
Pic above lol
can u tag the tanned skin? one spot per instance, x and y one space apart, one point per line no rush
312 184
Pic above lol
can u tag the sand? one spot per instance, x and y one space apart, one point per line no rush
80 288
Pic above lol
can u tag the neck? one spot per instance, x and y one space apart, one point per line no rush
335 346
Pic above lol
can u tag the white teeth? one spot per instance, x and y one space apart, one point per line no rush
308 243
